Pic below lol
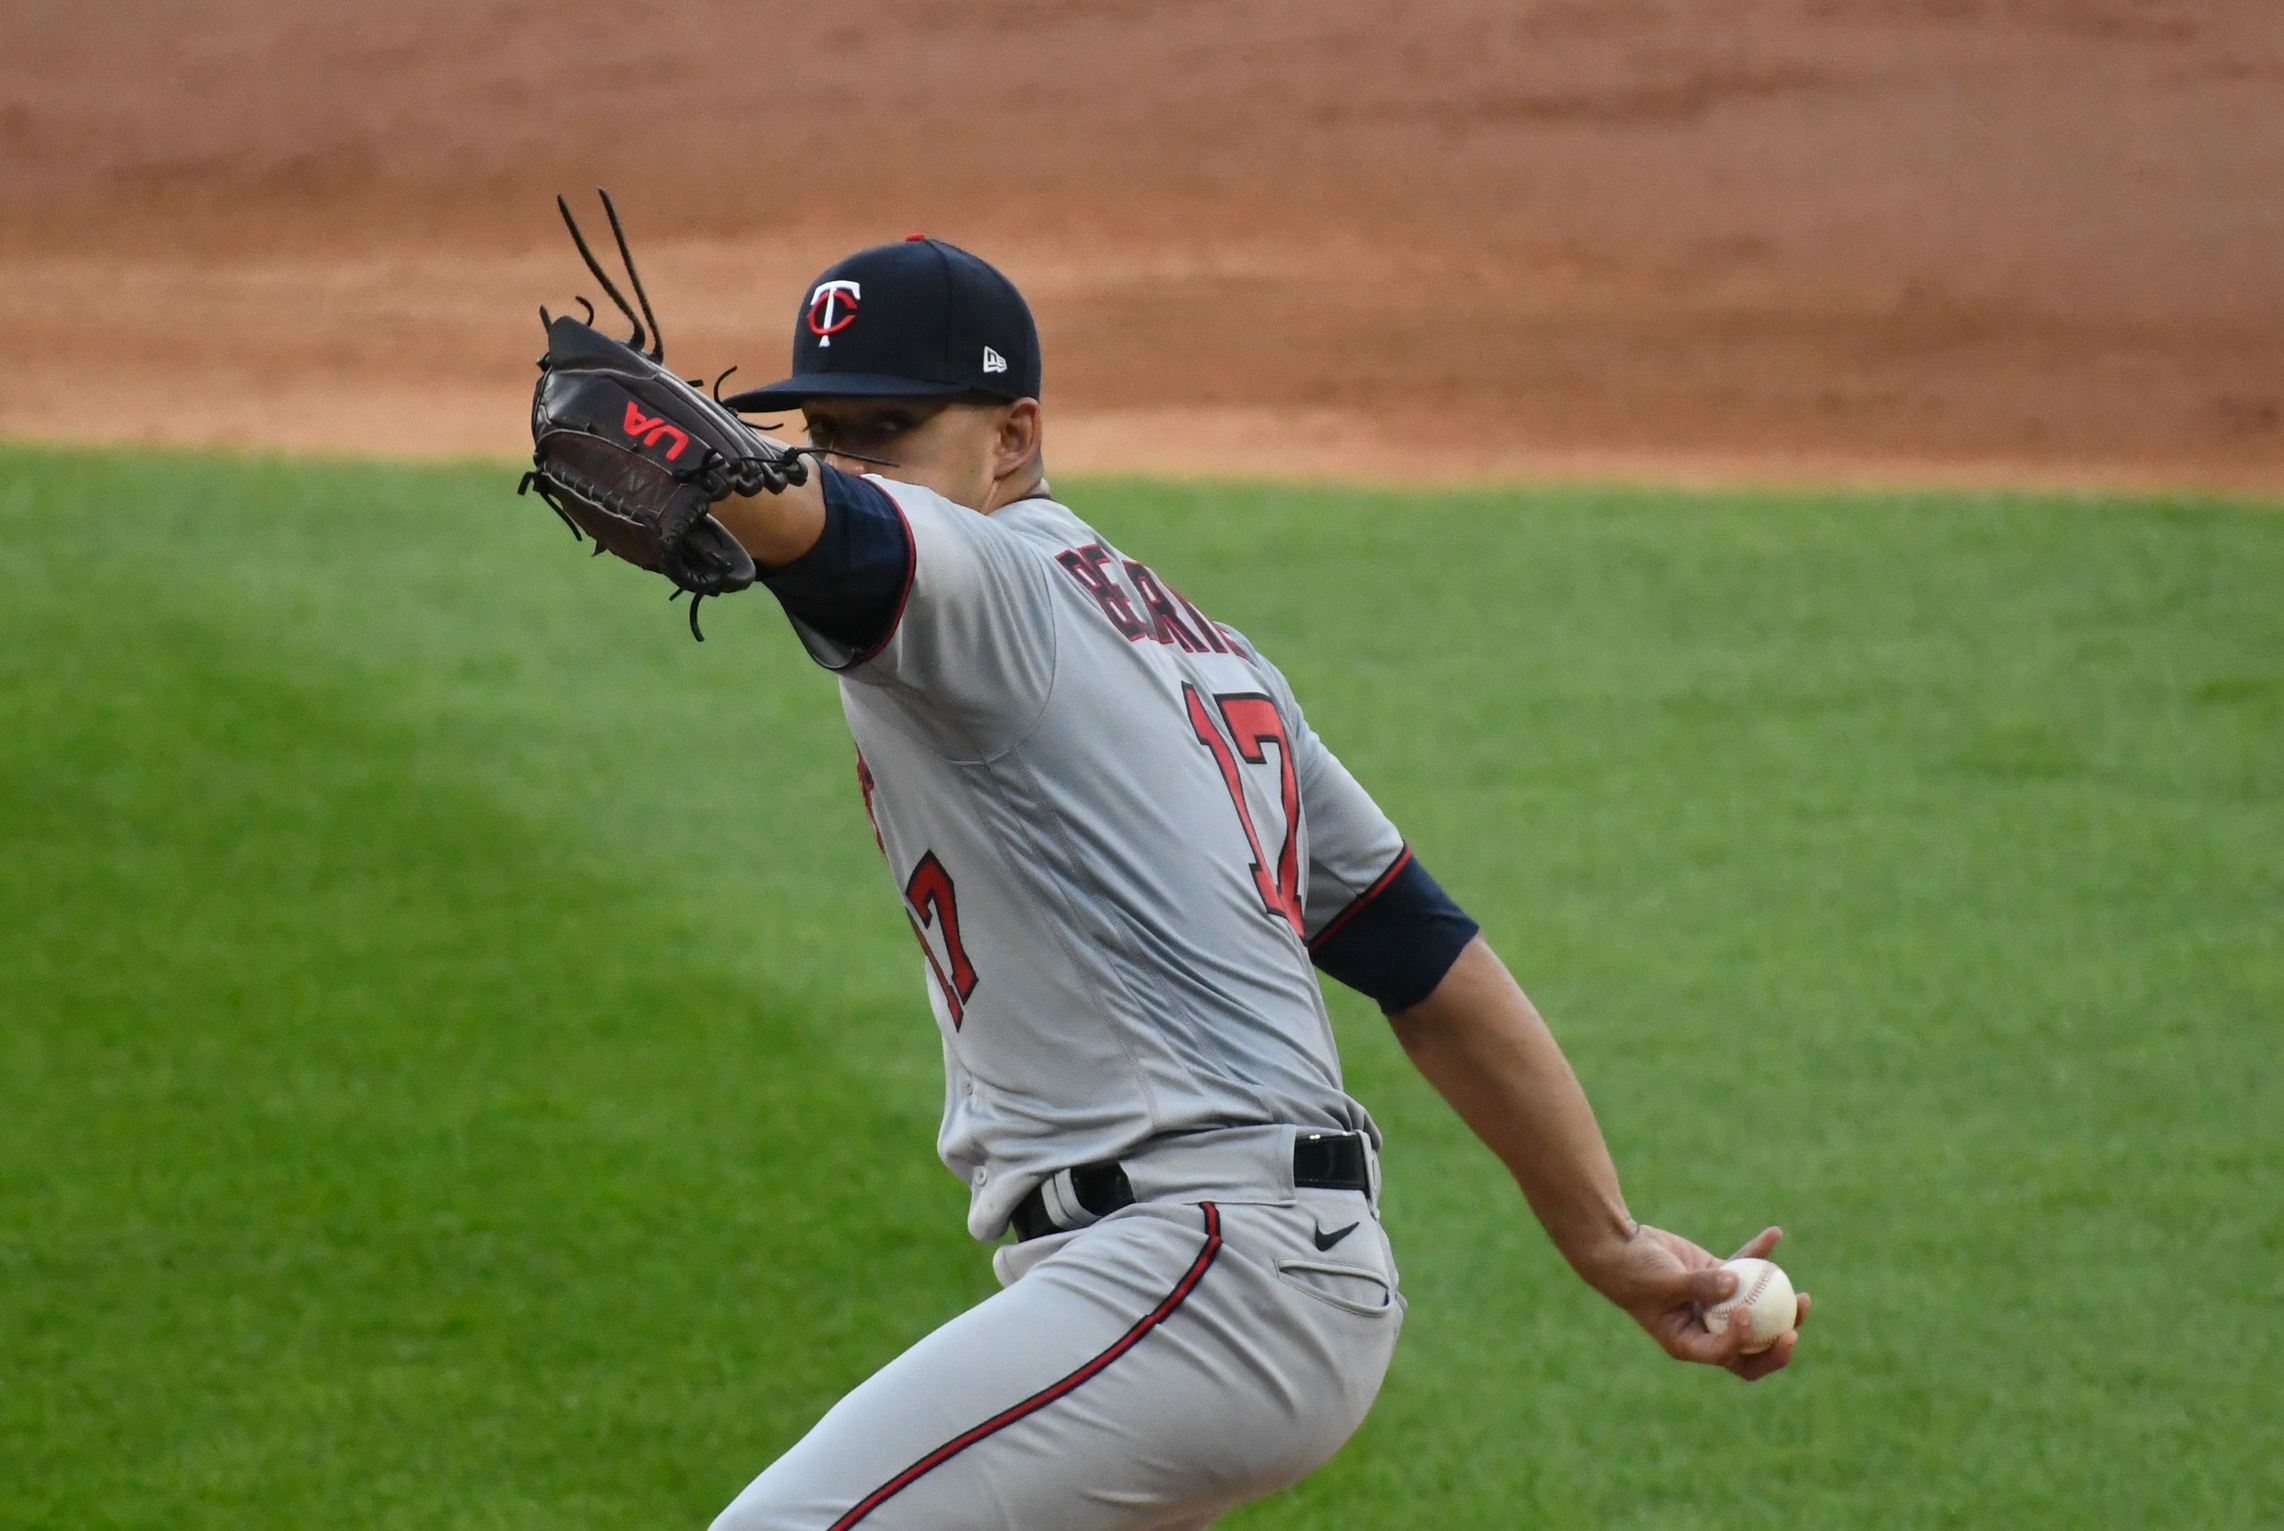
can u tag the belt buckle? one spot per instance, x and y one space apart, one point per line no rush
1332 1161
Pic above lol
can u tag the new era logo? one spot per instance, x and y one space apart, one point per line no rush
993 361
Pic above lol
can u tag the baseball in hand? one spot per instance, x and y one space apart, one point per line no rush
1764 1293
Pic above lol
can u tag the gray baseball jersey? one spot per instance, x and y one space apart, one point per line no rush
1114 833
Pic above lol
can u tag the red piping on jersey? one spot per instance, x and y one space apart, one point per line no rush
903 597
1049 1394
1357 904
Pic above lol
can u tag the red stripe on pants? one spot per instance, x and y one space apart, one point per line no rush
1053 1391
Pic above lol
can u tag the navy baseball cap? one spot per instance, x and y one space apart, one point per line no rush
919 319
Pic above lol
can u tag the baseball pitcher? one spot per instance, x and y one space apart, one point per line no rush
1122 851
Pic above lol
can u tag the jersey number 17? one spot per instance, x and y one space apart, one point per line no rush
1254 723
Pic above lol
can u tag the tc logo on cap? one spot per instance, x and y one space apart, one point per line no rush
832 309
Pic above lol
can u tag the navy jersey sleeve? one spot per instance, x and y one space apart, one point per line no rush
851 585
1397 940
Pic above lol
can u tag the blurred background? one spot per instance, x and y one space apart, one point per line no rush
1962 239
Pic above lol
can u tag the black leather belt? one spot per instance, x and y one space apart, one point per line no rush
1329 1161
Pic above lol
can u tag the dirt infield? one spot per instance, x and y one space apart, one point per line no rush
2015 239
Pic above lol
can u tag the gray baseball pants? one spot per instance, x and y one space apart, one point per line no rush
1142 1374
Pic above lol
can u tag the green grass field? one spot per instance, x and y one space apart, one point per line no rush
461 1064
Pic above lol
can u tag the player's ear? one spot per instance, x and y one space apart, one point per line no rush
1021 434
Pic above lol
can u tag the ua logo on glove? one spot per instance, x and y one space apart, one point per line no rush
637 423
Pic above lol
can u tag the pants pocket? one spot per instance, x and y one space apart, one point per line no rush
1351 1288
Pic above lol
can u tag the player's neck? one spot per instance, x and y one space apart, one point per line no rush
1033 487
